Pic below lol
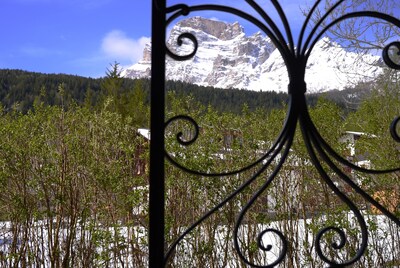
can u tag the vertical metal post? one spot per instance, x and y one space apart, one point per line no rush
156 194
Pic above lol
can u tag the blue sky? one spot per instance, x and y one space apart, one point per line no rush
72 36
83 37
79 37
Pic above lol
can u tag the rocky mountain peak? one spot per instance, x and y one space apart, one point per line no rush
147 53
220 30
227 58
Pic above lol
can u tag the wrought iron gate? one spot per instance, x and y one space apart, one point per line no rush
320 152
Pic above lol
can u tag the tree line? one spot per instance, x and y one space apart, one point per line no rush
20 89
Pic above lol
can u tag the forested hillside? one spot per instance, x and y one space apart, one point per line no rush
19 90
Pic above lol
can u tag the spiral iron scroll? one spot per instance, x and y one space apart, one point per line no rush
319 150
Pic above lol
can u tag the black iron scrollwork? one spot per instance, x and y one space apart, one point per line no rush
323 156
179 135
393 129
387 57
181 37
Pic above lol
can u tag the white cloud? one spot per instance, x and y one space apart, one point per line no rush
117 45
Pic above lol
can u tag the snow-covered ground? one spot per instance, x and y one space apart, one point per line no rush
112 246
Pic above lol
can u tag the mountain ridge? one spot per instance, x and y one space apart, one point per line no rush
227 58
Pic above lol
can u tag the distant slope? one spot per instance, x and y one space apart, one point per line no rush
19 89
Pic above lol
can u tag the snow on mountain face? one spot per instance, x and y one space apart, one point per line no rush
227 58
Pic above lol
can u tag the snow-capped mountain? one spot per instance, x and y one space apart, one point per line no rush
227 58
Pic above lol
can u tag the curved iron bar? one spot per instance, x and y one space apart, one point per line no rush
303 28
386 57
268 19
179 135
344 161
182 36
393 131
316 26
311 143
285 22
295 60
287 134
182 8
270 33
323 147
359 14
248 206
271 150
272 153
282 253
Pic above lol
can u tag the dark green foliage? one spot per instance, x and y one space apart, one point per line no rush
348 99
20 89
23 88
229 100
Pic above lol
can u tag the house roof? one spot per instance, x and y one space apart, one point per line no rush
144 132
356 133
